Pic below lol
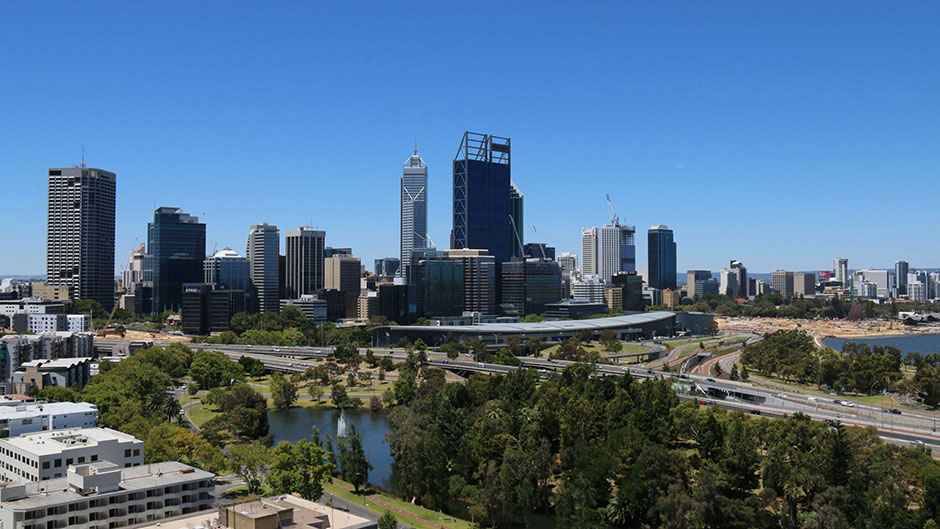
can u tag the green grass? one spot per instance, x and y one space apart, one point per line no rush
446 520
600 348
201 414
811 389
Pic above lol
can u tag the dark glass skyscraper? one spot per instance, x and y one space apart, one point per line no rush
482 196
176 244
662 257
516 209
80 237
528 285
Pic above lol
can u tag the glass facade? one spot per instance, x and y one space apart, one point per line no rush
482 202
527 286
439 288
176 243
662 258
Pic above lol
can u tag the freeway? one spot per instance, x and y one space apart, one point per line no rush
906 427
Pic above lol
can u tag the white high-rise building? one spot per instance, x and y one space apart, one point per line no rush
840 267
728 282
135 269
414 210
590 288
608 250
263 254
569 271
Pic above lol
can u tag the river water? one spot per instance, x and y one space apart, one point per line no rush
297 423
914 343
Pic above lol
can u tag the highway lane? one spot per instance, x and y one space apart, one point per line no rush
907 426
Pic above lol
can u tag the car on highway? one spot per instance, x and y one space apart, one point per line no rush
709 379
895 411
918 442
755 412
276 350
814 399
847 404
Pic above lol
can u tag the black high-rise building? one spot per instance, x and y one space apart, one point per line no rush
662 258
438 287
482 196
80 236
528 285
176 244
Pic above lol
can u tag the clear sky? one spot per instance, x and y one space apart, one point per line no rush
779 134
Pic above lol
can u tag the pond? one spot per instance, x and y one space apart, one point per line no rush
297 423
912 343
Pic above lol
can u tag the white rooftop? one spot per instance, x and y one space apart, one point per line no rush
58 363
53 442
49 408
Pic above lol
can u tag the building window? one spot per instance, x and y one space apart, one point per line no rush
58 463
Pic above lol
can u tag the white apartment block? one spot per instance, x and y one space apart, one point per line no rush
30 418
42 323
48 455
104 496
30 306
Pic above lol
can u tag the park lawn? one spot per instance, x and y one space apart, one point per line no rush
187 398
432 516
201 414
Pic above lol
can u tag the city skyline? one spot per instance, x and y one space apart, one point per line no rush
778 128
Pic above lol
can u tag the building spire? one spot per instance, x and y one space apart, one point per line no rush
83 156
416 147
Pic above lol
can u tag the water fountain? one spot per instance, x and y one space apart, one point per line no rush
341 425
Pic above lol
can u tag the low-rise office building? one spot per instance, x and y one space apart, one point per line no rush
313 307
103 496
16 420
47 455
31 306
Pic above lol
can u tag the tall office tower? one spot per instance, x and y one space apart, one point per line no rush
782 282
343 273
517 219
438 284
176 244
743 288
728 283
135 269
226 270
414 209
569 267
482 203
80 232
608 250
694 281
479 279
840 267
631 287
263 253
589 238
901 269
662 257
304 264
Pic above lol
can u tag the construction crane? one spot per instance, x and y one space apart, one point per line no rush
541 244
610 207
103 331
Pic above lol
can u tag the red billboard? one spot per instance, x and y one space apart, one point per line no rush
824 275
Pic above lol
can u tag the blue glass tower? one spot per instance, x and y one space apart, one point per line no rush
482 204
662 257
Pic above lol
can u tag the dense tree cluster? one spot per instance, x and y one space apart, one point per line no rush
287 328
132 396
601 452
243 415
775 305
792 355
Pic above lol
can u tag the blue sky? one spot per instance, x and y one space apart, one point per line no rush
780 135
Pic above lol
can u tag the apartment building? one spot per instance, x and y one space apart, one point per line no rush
103 495
16 420
48 455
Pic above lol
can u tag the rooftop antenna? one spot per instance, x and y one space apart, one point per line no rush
83 156
416 146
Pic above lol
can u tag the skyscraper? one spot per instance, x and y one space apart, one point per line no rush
662 257
264 242
226 270
695 282
343 273
482 196
304 264
782 282
517 219
176 244
841 268
608 250
414 209
479 279
743 285
80 232
569 267
901 269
